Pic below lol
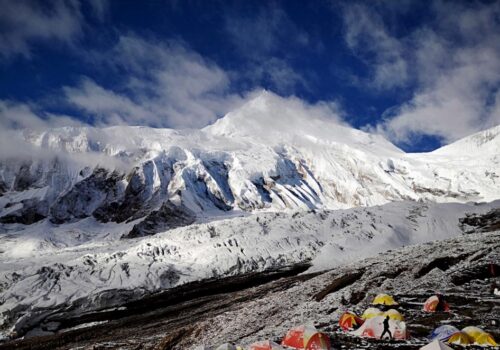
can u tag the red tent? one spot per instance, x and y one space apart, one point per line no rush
431 304
306 338
350 321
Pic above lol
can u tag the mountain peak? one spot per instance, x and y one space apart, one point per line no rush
485 142
272 119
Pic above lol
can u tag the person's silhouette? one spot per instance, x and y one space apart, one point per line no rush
386 328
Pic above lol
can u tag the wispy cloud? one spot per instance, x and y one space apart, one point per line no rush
24 23
368 37
164 84
453 63
264 39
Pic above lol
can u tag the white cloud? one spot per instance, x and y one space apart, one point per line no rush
368 37
453 62
260 39
165 85
14 115
24 22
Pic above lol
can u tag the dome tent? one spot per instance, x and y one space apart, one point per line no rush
225 346
479 336
373 328
384 299
371 312
460 338
444 332
307 338
436 345
394 315
265 345
350 321
228 346
486 339
432 302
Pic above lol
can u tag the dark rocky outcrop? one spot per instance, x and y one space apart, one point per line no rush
3 187
169 216
481 223
87 195
32 211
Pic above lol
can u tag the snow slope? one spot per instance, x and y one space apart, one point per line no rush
107 272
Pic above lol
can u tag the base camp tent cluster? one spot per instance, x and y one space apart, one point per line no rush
371 325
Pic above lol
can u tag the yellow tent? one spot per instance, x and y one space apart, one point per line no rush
371 312
459 338
394 315
486 339
384 299
479 336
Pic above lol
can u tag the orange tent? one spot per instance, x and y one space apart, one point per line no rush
349 321
431 304
306 338
265 345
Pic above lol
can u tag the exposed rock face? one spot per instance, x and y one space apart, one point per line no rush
169 216
98 189
30 211
482 223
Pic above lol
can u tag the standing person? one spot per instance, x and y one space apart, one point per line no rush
386 328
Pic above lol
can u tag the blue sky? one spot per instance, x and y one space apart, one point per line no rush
421 73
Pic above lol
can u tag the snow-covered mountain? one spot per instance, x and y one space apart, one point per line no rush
252 192
269 155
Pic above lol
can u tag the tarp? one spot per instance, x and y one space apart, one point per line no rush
384 299
436 345
307 338
350 321
373 328
265 345
431 304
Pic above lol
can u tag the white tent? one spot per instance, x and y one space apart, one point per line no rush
226 346
373 328
436 345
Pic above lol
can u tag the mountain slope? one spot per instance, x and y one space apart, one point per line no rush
43 281
270 155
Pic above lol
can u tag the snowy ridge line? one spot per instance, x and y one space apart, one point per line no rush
108 273
265 156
